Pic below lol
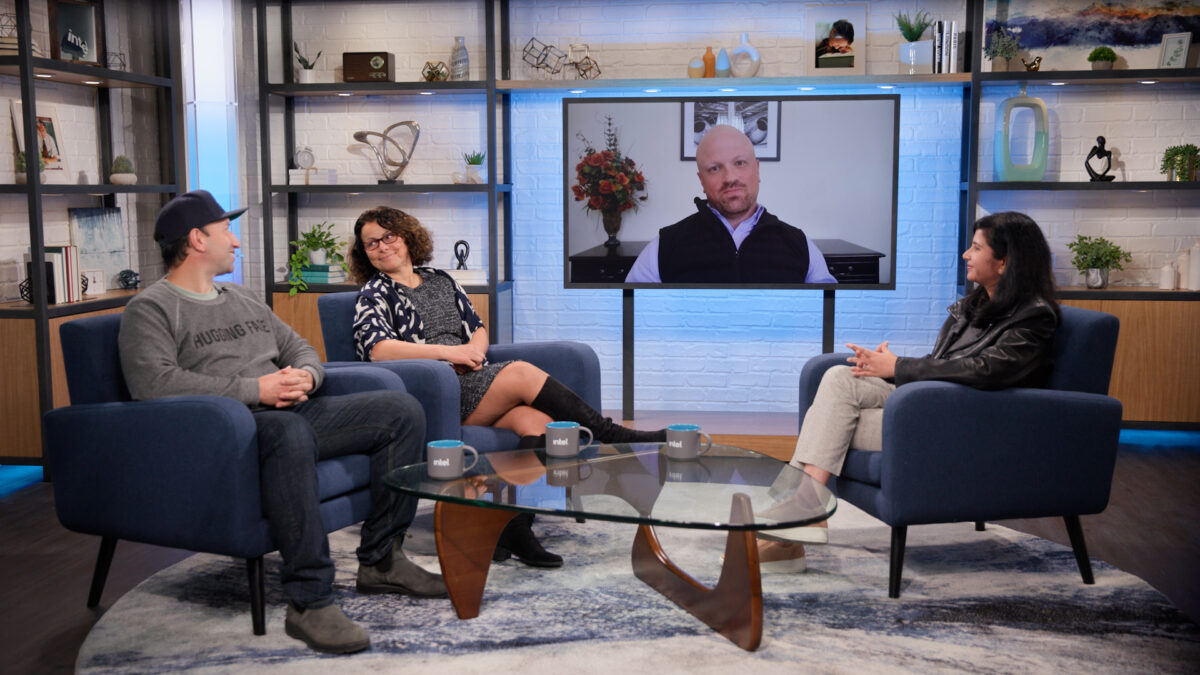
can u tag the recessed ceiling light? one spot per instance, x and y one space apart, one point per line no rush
427 93
651 91
887 86
1148 82
1057 84
91 81
43 75
345 93
807 88
727 89
578 91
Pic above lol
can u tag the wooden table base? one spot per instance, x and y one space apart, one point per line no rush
466 536
733 607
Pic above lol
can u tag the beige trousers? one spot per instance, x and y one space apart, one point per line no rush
846 412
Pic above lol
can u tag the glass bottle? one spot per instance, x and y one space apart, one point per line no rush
460 66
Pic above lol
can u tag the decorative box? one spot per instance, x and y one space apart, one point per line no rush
368 67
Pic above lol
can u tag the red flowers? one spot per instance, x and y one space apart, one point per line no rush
606 180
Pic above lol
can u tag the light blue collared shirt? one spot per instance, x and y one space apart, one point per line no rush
645 268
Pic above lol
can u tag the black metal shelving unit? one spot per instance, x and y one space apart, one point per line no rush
498 188
33 71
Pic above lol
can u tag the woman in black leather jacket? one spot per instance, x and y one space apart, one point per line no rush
998 336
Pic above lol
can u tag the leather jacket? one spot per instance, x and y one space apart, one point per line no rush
1013 351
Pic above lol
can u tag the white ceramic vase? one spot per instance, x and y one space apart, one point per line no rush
318 257
123 179
916 58
745 60
306 76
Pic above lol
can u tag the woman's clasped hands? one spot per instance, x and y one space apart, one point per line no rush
878 363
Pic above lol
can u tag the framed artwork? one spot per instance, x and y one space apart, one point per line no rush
1174 50
77 31
100 235
49 137
836 39
95 279
759 119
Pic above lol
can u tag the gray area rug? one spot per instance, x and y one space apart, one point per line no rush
993 601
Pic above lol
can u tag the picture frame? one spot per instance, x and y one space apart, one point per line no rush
95 279
50 135
758 118
77 31
829 53
1174 51
101 236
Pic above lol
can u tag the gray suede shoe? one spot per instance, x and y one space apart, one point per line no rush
398 574
326 629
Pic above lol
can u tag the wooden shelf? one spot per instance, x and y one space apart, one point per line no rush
19 309
1093 77
710 85
1138 185
50 70
1124 293
95 189
389 187
466 87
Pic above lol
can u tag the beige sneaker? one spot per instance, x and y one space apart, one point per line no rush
327 629
781 556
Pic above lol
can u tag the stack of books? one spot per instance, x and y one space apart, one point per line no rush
945 47
9 47
63 277
312 176
323 274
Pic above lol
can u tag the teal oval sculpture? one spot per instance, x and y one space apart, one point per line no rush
1035 170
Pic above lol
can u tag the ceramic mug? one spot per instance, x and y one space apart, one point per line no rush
683 441
566 472
562 439
446 459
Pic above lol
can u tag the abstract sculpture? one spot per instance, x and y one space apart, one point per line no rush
385 159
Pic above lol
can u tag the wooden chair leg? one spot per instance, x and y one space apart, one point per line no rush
980 525
1075 532
258 610
108 546
897 561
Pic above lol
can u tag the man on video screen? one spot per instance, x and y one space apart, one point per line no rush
730 238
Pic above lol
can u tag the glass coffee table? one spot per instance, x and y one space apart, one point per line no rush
728 488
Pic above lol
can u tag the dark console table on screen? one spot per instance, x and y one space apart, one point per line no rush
850 263
603 265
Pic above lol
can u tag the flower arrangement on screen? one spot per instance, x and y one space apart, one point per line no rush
607 181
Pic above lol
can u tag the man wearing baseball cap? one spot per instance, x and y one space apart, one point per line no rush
189 335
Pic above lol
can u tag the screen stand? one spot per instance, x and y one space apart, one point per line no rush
827 323
627 353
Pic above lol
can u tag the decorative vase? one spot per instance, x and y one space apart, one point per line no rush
722 65
474 175
306 76
710 62
1000 65
1096 278
318 257
916 58
696 67
460 65
1102 65
1035 170
123 179
611 220
745 61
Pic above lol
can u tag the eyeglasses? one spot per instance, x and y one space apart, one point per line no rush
372 244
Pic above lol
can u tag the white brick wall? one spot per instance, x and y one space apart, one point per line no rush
712 350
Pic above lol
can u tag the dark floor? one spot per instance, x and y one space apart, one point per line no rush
1148 530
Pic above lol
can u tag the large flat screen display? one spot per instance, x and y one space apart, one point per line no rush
637 213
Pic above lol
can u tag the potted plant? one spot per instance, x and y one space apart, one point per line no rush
916 55
122 171
1102 58
318 246
1179 162
305 75
21 168
474 162
1094 257
1003 45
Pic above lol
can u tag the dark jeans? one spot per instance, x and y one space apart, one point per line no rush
387 425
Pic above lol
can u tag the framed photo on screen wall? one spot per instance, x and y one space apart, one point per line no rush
759 120
836 37
77 31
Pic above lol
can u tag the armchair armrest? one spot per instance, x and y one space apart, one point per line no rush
179 472
432 383
984 455
573 363
351 379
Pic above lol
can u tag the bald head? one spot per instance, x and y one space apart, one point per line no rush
728 171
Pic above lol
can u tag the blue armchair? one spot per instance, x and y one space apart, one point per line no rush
179 472
435 385
952 453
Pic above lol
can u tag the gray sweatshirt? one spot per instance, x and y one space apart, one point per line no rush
173 343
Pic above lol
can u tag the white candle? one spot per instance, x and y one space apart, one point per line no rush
1183 263
1166 277
1194 269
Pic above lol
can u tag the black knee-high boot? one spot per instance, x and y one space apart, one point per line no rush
518 538
562 404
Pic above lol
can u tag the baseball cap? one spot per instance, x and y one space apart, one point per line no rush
186 212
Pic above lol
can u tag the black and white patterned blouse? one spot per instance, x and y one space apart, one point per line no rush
384 311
